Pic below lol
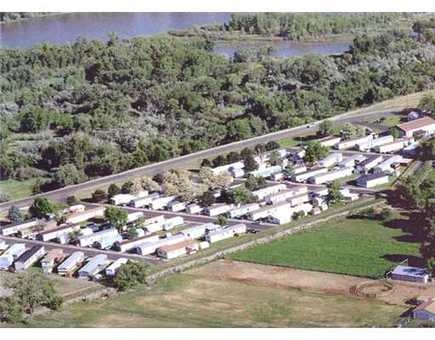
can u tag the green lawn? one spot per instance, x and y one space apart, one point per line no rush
17 189
288 142
349 246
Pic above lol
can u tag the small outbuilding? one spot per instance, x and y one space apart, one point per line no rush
412 274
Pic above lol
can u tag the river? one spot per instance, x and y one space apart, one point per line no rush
65 28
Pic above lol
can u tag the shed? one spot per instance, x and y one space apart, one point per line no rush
425 311
412 274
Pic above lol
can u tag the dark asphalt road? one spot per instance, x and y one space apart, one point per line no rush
153 169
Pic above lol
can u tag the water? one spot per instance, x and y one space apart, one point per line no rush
60 29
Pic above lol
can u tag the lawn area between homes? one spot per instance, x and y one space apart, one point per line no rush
17 189
347 246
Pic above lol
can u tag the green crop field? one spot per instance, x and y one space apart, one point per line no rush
349 246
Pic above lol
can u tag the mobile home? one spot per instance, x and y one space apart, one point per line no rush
369 163
151 247
351 161
267 191
29 257
305 175
331 176
391 147
122 199
93 267
144 201
218 209
173 222
52 258
59 233
161 202
386 165
199 231
370 181
224 233
12 229
329 141
68 267
351 143
114 267
193 209
134 216
284 195
79 217
330 160
11 254
176 206
131 244
110 235
243 210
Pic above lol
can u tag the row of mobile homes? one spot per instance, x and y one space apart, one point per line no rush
29 258
352 143
330 160
351 161
176 250
94 266
391 147
199 231
284 195
224 233
369 163
134 216
173 222
218 209
122 199
329 141
52 258
387 165
331 176
12 229
425 124
372 180
267 191
267 172
112 269
193 209
286 216
108 236
302 177
176 206
161 202
60 234
80 217
143 201
228 167
11 254
128 245
150 247
69 266
243 210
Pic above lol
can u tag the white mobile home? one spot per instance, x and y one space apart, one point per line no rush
131 244
218 209
144 201
161 202
176 206
330 160
266 172
122 199
286 216
176 250
134 216
114 267
305 175
29 257
224 233
351 161
11 254
79 217
93 267
299 199
173 222
243 210
369 163
351 196
284 195
370 181
75 208
3 245
351 143
17 227
267 191
226 168
391 147
193 209
111 235
237 173
386 165
329 141
58 233
269 210
199 231
381 141
331 176
150 247
68 266
298 169
53 257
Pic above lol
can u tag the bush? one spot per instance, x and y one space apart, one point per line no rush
98 196
130 275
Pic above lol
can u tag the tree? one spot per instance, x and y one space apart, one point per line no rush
130 275
15 215
255 182
275 158
113 190
207 199
260 149
213 181
250 163
272 145
30 290
71 200
233 157
149 184
242 195
98 195
68 174
315 151
222 220
126 187
326 127
42 207
334 194
116 216
206 163
219 160
349 131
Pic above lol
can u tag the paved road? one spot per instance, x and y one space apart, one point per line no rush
153 169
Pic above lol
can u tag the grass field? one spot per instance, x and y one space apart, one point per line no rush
198 300
349 246
17 189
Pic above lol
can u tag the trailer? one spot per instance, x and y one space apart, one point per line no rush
348 144
331 159
89 240
3 245
286 216
199 231
391 147
161 202
226 168
176 206
193 209
52 258
122 199
143 201
369 163
173 222
225 233
329 141
128 245
284 195
69 266
351 161
94 266
267 191
11 254
296 200
75 208
150 247
218 209
134 216
266 172
331 176
12 229
176 250
386 165
243 210
305 175
112 269
29 258
86 215
58 233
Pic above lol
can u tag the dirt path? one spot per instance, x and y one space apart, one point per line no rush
265 275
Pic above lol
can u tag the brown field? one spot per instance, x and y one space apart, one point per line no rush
234 294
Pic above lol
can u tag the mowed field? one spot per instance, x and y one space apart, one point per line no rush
216 296
348 246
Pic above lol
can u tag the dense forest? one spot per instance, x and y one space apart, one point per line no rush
92 108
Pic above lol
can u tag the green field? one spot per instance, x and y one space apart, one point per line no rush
17 189
350 246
